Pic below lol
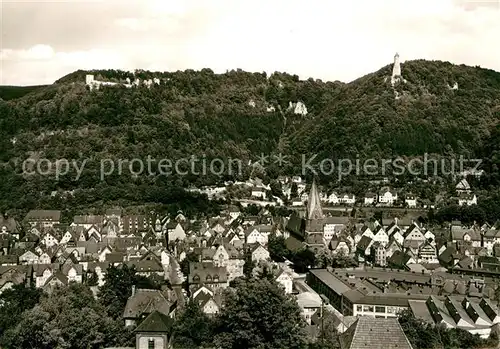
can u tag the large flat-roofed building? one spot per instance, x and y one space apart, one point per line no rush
384 293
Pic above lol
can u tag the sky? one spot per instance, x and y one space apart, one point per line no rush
42 41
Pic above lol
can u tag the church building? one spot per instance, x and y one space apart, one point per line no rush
309 229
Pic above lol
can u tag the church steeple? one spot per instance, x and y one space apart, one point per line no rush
314 209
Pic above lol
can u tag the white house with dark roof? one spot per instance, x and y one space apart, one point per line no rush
370 199
333 198
387 196
347 199
467 199
381 236
411 200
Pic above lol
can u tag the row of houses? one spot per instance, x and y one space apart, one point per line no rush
438 298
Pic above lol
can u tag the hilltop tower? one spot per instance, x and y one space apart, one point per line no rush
89 79
314 209
396 70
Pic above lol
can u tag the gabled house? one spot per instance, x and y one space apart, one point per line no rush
447 257
430 236
398 236
413 236
154 332
364 245
175 231
428 253
463 186
49 239
73 272
43 272
470 236
144 302
207 301
102 254
258 234
259 253
29 257
373 333
380 253
400 260
286 280
45 257
207 274
57 279
339 246
366 231
381 236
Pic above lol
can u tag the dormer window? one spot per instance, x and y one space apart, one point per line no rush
196 278
209 278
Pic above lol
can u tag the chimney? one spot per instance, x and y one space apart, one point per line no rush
133 290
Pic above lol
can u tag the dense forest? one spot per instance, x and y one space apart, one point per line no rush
439 108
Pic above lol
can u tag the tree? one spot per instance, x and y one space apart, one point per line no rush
69 317
277 248
324 258
118 288
93 279
258 314
14 301
303 260
193 328
294 190
249 264
190 257
420 334
328 336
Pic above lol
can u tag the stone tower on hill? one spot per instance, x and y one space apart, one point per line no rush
396 70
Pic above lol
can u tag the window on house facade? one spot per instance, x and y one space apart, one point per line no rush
368 308
359 308
151 344
380 309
